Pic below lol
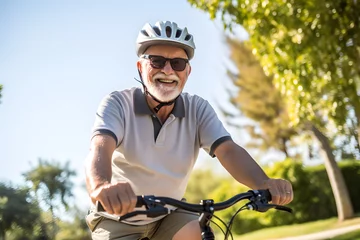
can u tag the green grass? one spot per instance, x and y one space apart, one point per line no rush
300 229
349 236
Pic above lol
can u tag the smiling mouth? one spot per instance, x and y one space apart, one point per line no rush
166 81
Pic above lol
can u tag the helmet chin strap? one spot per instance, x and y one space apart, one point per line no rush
161 103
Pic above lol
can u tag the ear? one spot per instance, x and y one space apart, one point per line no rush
139 66
189 70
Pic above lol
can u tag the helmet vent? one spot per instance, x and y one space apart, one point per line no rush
157 30
178 33
168 31
144 32
188 37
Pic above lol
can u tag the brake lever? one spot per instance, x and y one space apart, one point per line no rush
282 208
157 211
263 207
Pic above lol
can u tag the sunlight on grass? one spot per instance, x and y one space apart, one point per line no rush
349 236
296 230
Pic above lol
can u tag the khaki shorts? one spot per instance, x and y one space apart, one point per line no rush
164 229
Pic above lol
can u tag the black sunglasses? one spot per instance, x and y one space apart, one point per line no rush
158 62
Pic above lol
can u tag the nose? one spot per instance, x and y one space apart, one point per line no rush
167 69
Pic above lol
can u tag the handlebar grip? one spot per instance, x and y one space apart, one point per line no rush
267 195
139 203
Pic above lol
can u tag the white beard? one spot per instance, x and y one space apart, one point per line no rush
164 92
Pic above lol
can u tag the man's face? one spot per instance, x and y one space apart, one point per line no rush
164 83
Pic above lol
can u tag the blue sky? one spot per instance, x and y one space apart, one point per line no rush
59 58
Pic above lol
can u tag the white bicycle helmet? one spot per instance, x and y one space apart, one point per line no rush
167 33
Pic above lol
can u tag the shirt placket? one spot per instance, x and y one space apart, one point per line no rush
161 138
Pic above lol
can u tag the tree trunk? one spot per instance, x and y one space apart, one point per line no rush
284 147
339 188
2 235
358 136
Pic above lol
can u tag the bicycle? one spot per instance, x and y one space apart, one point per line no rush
155 206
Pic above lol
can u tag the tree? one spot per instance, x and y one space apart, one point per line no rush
1 87
51 183
76 229
258 99
312 49
17 209
347 145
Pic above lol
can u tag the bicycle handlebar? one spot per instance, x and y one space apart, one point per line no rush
155 206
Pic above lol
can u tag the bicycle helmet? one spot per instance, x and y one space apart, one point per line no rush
167 33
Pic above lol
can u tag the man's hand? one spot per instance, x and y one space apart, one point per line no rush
116 198
280 189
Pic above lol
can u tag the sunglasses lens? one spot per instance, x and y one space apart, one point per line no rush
158 62
178 64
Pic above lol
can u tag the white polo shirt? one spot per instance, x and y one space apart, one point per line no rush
157 159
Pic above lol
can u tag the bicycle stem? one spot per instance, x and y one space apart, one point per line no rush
204 219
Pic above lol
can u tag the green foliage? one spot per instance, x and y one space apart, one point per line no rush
311 48
201 184
17 210
319 179
1 87
51 183
240 225
76 229
351 172
249 221
20 214
313 197
53 180
258 99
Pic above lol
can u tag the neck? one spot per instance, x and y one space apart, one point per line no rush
164 111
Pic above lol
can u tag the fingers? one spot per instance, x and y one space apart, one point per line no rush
131 200
127 199
281 191
116 198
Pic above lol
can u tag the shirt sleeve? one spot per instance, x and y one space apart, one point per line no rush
110 118
210 129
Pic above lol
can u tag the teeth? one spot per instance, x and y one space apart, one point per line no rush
165 81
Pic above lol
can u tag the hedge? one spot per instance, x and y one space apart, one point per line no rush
313 197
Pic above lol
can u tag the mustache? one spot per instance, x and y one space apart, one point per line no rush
166 77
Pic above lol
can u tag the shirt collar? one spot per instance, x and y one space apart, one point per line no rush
141 106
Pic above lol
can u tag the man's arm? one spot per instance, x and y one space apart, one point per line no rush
116 198
98 162
238 162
